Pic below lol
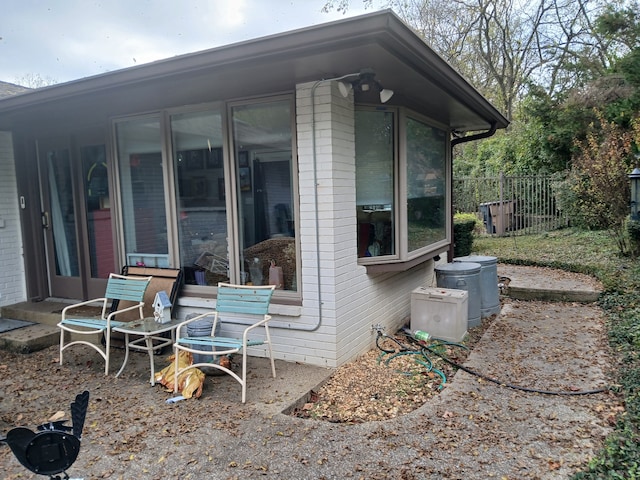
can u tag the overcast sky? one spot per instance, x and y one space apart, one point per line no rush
64 40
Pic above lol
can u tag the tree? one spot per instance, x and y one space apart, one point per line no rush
620 24
598 186
500 46
35 80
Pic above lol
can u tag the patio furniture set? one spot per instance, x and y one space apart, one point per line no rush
126 317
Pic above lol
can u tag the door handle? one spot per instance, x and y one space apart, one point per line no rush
45 219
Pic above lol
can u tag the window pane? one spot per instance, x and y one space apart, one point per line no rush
375 182
202 212
63 216
94 166
426 183
142 192
264 183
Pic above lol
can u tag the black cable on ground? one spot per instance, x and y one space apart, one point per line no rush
515 387
424 347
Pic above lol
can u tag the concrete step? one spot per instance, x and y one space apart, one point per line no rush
548 284
47 312
44 334
30 338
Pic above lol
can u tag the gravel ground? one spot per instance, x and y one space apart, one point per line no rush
473 429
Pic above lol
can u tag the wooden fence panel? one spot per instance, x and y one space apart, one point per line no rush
510 205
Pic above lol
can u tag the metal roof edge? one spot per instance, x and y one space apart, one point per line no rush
433 66
383 27
238 52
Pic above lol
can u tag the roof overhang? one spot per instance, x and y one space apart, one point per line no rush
401 60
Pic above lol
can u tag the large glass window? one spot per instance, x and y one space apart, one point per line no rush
426 181
142 191
422 186
263 182
201 198
375 160
234 182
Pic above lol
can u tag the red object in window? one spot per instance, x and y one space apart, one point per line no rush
364 230
103 242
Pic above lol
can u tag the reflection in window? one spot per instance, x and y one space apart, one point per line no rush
63 213
426 180
262 141
142 192
375 182
94 166
202 213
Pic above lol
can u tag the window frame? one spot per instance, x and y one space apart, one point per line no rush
225 108
439 245
118 205
397 256
235 235
219 107
405 259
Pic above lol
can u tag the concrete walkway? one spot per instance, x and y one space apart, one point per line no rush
475 429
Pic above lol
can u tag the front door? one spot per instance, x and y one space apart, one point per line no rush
76 217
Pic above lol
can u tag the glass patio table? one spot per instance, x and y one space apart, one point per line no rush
149 332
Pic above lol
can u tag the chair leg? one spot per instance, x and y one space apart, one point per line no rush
104 354
273 365
107 350
61 344
244 375
175 371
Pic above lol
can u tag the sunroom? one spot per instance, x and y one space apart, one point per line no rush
318 160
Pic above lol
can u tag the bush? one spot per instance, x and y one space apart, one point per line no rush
633 232
599 178
463 226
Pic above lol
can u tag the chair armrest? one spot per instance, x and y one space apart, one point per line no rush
122 310
186 322
81 304
262 322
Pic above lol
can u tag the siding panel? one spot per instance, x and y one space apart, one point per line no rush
12 280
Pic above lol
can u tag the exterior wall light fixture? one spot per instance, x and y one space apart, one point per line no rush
365 82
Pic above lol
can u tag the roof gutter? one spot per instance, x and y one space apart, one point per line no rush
477 136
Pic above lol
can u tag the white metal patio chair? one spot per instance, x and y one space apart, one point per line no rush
119 287
242 302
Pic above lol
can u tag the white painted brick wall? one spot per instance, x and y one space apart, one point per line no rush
12 276
352 300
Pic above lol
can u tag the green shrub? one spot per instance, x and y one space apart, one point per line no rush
463 226
633 232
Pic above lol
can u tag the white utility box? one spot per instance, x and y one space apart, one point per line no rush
441 312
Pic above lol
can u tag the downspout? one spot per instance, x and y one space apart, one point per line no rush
458 141
314 153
